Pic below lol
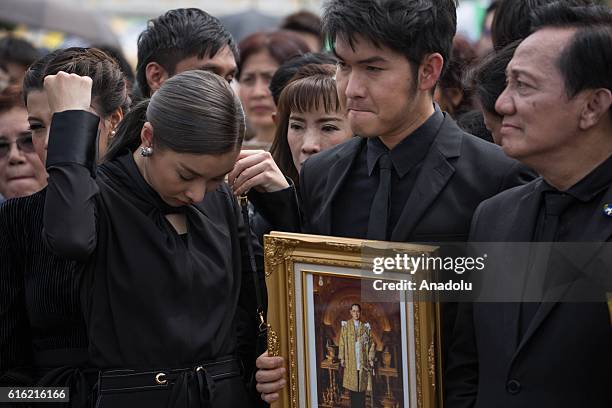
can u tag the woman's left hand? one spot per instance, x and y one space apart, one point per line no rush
256 169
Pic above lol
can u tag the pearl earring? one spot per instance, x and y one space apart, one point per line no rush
146 151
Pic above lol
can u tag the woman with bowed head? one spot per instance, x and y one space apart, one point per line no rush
158 239
43 338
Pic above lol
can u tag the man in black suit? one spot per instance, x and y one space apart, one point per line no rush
556 349
410 174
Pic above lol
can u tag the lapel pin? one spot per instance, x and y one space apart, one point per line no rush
607 209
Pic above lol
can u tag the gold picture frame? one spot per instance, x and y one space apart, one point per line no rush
298 267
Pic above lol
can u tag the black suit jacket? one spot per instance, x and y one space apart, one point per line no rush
458 173
564 359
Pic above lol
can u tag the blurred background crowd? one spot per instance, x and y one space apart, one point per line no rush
51 24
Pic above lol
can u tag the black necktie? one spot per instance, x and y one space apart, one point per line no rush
554 205
379 211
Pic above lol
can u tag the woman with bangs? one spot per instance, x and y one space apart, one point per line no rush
310 118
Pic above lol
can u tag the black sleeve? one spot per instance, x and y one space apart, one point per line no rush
69 218
279 209
305 210
15 339
461 379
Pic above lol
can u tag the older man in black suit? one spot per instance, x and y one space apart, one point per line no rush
556 349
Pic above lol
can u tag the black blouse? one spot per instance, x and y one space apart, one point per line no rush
150 297
40 311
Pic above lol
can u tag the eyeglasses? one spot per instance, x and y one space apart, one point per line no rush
24 143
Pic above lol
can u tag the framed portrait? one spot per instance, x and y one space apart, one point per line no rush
344 343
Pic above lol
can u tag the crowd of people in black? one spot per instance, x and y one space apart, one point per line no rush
129 274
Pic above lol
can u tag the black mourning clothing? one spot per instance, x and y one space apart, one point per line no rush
42 332
561 218
151 298
351 209
555 353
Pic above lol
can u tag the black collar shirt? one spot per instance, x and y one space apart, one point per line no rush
586 196
351 206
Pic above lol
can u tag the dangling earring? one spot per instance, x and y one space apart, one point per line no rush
146 151
113 133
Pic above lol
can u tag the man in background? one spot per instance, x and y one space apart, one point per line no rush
182 40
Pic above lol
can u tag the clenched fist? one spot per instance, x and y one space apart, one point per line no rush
68 92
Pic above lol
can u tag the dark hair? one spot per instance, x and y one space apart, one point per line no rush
462 57
109 89
488 77
303 22
193 112
18 51
119 56
512 19
176 35
413 28
11 98
285 72
281 44
312 87
586 61
356 304
473 123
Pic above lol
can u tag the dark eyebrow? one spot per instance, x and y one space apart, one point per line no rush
517 71
195 173
213 67
30 118
371 60
297 118
328 119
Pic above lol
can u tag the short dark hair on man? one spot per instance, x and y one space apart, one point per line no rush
176 35
511 21
285 72
356 304
304 22
413 28
18 51
586 61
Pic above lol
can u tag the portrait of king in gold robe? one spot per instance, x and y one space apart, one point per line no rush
356 352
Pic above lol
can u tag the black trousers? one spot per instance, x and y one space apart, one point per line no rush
358 399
